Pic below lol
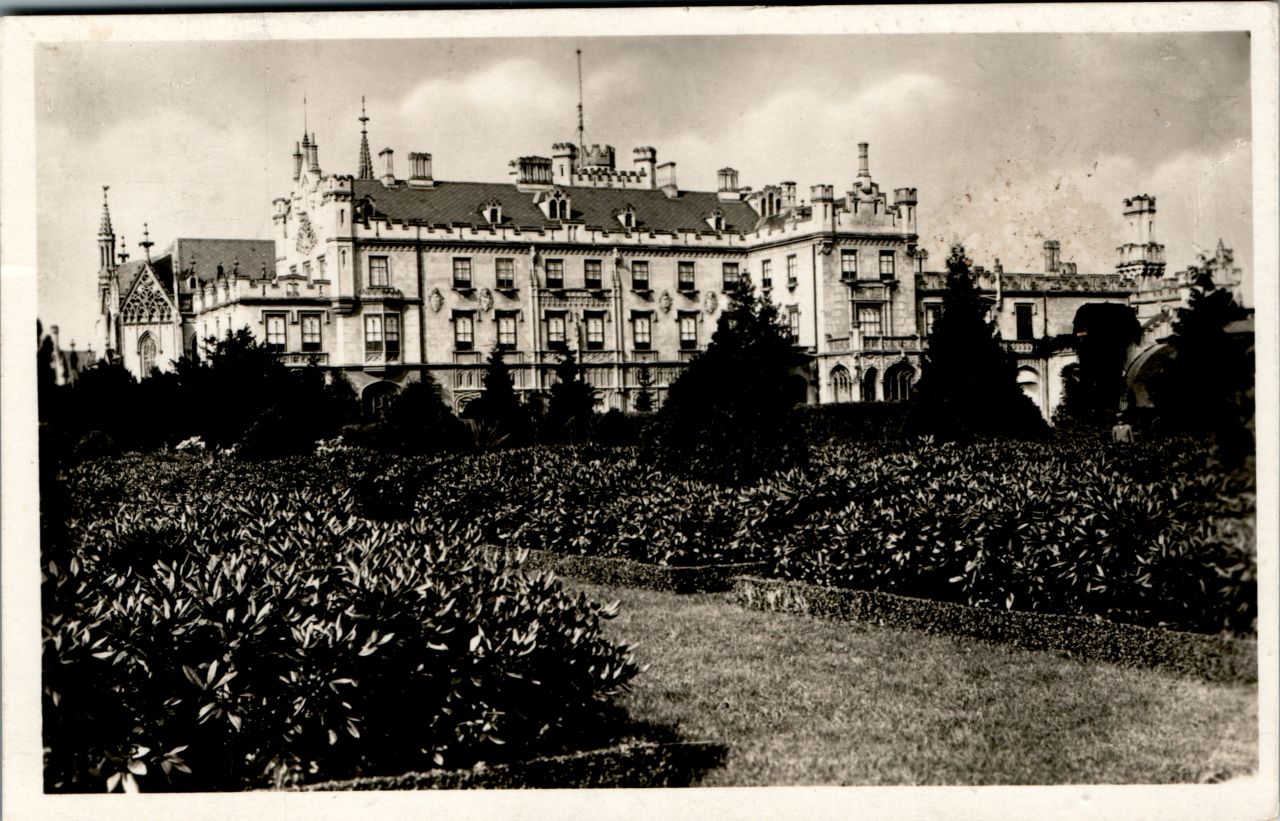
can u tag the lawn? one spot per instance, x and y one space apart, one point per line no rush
801 700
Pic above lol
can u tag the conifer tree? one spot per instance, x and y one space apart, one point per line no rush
1093 389
729 417
571 409
499 406
968 382
644 398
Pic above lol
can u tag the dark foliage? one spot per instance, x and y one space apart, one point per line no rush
1095 387
968 383
644 397
615 428
417 421
571 409
730 417
499 406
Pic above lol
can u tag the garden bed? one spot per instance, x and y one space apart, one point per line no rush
676 764
1212 657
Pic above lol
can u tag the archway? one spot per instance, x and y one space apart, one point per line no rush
1146 372
869 377
1029 381
376 396
147 354
841 384
898 382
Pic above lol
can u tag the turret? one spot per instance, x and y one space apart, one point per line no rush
1051 256
564 162
646 163
106 239
297 161
313 160
1141 255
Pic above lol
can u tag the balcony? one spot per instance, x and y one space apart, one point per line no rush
380 293
296 359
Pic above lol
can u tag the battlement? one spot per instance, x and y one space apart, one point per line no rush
599 156
1139 203
904 196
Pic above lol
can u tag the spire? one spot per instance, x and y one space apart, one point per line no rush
366 161
104 228
124 251
146 240
582 131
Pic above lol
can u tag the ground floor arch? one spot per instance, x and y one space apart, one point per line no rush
377 395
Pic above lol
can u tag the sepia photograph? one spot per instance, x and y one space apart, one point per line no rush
494 413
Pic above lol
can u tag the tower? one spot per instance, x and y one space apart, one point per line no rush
1141 255
106 240
366 160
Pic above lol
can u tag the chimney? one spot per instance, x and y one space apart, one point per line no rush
864 169
728 179
1051 256
297 162
388 168
788 195
420 170
646 159
313 161
533 173
665 178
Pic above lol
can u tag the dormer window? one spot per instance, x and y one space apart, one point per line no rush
555 205
363 210
716 220
492 212
627 217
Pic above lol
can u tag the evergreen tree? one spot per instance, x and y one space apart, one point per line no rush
1209 387
968 382
499 406
1093 389
571 409
419 421
729 417
644 398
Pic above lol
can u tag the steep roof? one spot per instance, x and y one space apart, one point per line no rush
251 255
459 202
128 273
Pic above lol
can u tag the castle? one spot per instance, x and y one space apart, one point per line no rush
384 278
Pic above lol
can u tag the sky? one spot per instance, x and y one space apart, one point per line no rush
1010 139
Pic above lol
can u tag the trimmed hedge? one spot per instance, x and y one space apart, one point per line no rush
677 764
1215 658
627 573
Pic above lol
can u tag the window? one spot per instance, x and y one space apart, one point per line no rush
373 336
320 273
686 280
391 330
1023 314
147 354
464 331
306 270
506 330
555 331
505 272
640 275
766 273
849 264
792 277
688 331
378 274
886 265
793 323
462 272
555 273
642 331
931 313
275 332
310 332
595 331
591 274
293 270
870 318
731 275
898 382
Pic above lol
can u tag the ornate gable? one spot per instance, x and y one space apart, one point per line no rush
147 303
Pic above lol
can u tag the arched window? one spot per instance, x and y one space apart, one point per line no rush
1029 381
147 354
376 397
898 381
869 385
841 384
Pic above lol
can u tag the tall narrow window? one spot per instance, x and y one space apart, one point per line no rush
870 319
310 333
688 331
640 274
886 265
391 330
849 263
595 331
506 330
1023 314
556 331
147 354
766 273
591 274
320 270
275 332
463 331
306 270
505 272
792 273
379 277
931 313
686 280
555 273
793 323
731 275
373 336
462 272
642 331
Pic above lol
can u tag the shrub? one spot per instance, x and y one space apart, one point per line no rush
245 638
